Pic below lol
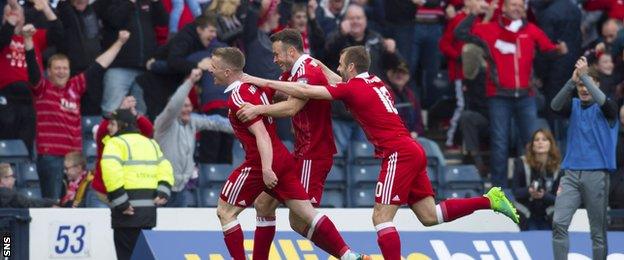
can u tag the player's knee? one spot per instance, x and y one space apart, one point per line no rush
225 214
428 221
380 217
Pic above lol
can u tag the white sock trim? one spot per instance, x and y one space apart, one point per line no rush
439 214
264 223
315 221
230 225
346 254
384 225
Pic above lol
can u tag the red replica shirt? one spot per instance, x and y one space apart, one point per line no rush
246 93
314 137
58 116
13 58
372 105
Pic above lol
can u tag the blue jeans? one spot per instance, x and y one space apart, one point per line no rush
178 199
502 109
177 6
345 132
118 82
50 171
425 55
92 200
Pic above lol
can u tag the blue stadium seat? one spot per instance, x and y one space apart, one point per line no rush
463 177
340 158
336 174
32 192
289 145
211 173
238 154
432 150
192 198
209 196
363 153
460 193
89 149
364 173
26 175
363 197
333 198
13 150
87 125
433 176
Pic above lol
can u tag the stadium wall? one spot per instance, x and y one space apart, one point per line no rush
86 234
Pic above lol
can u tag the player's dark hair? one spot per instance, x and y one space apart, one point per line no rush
289 37
232 56
358 56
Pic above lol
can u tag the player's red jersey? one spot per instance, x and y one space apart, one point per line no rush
246 93
372 105
314 138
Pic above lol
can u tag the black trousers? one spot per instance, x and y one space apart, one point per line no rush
125 240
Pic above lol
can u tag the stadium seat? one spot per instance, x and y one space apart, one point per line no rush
26 175
87 125
336 174
460 193
432 150
209 196
462 177
340 158
363 197
289 145
211 173
363 153
32 192
192 198
433 176
364 173
13 150
89 149
333 198
238 154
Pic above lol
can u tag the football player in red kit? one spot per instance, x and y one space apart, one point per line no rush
314 144
264 153
403 177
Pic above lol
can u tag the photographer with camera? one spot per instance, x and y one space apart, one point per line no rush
536 181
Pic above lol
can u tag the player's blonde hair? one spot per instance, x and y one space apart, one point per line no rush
232 56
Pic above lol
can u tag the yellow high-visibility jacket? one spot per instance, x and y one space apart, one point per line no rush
134 172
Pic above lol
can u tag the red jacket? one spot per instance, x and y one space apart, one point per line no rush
146 128
613 8
512 53
451 47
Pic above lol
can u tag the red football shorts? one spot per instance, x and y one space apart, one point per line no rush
312 174
403 177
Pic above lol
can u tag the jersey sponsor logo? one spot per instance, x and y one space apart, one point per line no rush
68 105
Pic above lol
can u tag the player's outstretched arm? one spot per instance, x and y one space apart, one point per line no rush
286 108
296 89
263 141
332 77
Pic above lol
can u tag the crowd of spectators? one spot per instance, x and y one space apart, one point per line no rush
495 65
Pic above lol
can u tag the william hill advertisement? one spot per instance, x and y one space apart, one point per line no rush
209 245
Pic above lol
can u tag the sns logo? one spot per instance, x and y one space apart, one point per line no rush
6 245
499 248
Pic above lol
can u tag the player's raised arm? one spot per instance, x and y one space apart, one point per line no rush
295 89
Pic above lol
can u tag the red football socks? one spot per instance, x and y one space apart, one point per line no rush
325 235
453 209
233 237
263 237
389 241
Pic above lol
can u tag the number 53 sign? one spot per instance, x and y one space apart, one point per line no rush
69 240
